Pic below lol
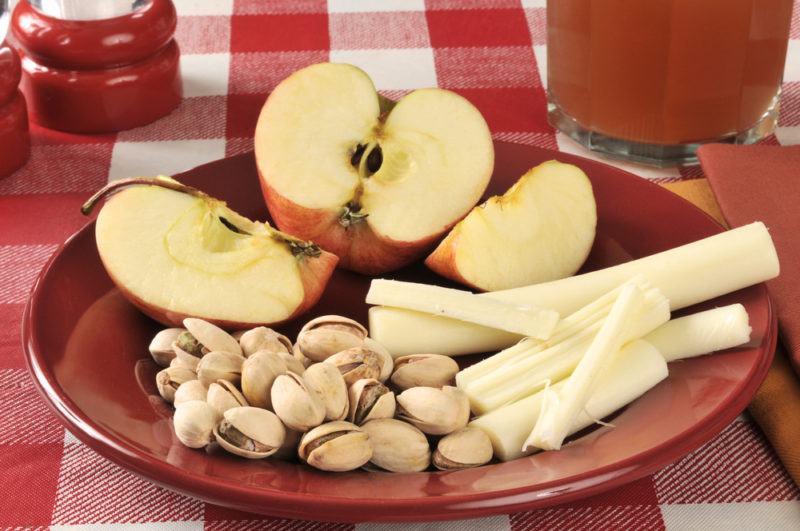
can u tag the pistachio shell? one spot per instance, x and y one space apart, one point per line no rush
293 364
223 395
434 411
423 370
356 364
263 338
298 408
161 346
168 380
298 355
250 432
324 336
336 447
194 422
397 446
386 360
465 448
219 365
327 383
258 373
462 417
212 337
191 390
370 399
184 358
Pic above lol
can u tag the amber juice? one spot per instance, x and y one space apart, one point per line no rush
666 72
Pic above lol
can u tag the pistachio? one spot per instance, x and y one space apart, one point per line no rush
434 411
161 346
465 448
326 382
219 365
292 363
258 373
184 358
194 422
356 364
370 399
188 343
324 336
211 336
191 390
336 447
294 404
263 338
296 354
423 370
223 395
397 446
168 380
250 432
386 360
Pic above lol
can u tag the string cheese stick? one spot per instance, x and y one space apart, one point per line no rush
637 368
561 408
701 333
524 319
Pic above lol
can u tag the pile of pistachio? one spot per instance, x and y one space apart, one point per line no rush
335 399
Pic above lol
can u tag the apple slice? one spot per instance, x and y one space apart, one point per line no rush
176 252
541 229
374 182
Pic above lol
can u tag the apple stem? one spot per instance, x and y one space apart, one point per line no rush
115 186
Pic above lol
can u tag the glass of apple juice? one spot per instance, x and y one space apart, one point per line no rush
652 80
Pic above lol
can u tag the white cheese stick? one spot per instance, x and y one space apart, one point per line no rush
580 322
527 376
524 319
637 368
686 275
701 333
561 408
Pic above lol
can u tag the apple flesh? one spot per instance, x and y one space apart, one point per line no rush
175 252
376 183
541 229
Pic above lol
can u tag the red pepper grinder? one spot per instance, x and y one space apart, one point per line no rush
15 143
97 67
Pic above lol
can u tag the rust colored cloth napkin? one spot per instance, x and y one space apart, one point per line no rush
763 183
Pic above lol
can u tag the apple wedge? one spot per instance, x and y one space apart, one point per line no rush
176 252
541 229
372 181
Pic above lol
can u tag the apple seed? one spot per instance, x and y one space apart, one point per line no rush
374 160
355 160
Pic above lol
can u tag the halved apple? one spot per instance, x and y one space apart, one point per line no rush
372 181
541 229
175 252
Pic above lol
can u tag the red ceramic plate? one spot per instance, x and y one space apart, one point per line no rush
87 350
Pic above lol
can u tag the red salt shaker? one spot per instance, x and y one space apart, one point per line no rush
15 142
86 74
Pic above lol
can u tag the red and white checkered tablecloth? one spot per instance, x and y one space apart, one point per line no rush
233 53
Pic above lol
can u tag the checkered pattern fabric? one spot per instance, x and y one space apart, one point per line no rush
233 53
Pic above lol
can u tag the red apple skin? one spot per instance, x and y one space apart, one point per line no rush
314 275
442 260
358 247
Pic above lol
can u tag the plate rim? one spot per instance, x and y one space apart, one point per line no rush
441 507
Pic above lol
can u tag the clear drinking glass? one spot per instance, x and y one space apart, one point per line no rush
652 80
5 15
87 9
